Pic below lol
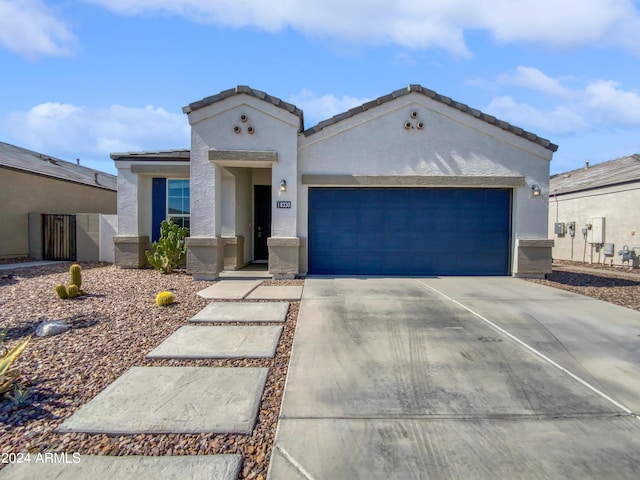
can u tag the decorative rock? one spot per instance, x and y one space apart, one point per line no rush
51 327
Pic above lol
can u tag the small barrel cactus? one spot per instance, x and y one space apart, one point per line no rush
61 290
73 291
164 298
76 275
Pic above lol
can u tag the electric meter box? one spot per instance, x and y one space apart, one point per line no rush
560 228
596 233
608 249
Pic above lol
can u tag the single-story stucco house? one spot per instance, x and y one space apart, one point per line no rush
40 195
594 212
412 183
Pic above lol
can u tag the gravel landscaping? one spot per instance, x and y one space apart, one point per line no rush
617 285
117 323
113 327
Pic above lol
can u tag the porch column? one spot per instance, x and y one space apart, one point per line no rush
205 245
129 244
284 257
533 258
205 257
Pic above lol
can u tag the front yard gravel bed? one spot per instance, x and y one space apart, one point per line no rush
117 323
620 286
113 327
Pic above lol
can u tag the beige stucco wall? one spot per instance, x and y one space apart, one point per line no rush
21 193
243 141
619 205
452 143
212 128
135 193
268 135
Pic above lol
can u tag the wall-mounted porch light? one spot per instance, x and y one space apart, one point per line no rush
535 190
283 185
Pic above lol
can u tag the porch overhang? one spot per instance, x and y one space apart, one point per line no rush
243 158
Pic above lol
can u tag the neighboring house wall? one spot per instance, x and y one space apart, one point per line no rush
618 204
21 193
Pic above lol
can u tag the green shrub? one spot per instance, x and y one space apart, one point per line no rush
170 250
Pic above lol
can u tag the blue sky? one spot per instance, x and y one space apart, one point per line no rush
84 78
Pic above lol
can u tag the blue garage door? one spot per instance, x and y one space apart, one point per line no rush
409 231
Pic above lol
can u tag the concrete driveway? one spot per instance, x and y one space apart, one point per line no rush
483 378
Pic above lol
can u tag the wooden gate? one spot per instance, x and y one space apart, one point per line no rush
59 237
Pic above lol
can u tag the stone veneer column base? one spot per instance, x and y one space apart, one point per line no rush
205 257
534 258
233 253
284 256
129 251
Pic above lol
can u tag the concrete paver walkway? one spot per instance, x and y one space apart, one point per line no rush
183 399
40 263
251 290
242 312
230 289
275 292
220 342
193 467
174 400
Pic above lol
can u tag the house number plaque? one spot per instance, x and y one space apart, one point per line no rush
283 204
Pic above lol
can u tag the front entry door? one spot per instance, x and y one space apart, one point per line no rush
262 221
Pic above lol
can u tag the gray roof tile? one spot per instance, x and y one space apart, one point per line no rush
245 90
182 154
614 172
18 158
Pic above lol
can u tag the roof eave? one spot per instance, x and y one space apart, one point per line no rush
597 187
180 155
414 88
246 90
55 177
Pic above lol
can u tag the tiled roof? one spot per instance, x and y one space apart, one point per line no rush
18 158
243 89
439 98
613 172
154 155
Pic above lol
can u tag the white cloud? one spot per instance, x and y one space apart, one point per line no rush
321 107
31 29
70 131
566 23
599 103
612 105
536 80
561 120
416 24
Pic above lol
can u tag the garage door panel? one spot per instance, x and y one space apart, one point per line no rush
409 231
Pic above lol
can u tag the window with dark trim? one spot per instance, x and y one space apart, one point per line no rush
178 201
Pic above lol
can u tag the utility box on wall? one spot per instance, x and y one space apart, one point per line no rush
559 228
596 233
